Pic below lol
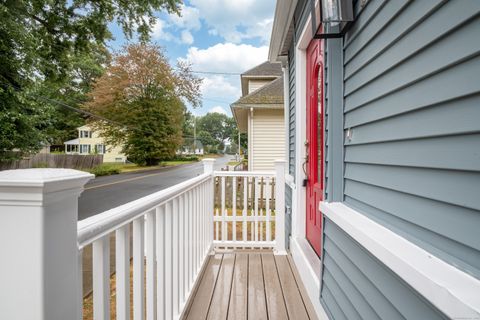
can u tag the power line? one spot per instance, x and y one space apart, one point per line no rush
84 112
217 73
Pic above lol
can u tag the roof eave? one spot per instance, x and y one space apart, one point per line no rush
284 11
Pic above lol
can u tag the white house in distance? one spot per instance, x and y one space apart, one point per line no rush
259 113
89 142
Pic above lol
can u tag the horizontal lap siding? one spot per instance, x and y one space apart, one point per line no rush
412 103
358 286
291 111
268 138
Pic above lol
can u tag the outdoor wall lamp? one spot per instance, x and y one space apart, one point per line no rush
332 13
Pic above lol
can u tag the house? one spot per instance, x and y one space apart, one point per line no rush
374 213
89 142
383 179
189 148
259 113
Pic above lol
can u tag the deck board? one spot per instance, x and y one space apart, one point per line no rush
241 285
204 293
238 297
293 299
221 296
257 305
273 289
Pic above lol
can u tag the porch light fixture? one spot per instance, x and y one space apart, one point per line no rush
332 13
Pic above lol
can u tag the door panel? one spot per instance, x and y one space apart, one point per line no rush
314 144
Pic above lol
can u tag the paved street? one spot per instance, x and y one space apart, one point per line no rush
104 193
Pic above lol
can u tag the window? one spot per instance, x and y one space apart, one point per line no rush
100 148
72 147
84 148
85 134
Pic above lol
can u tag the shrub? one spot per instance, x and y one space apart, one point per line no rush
105 170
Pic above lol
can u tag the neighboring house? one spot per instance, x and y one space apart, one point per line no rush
89 142
189 149
383 181
259 113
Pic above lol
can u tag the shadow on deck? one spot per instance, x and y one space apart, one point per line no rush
249 285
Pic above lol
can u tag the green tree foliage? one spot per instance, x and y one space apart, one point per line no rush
144 99
46 47
213 130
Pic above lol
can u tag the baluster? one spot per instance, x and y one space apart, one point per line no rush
256 194
168 261
160 252
150 222
222 212
252 225
261 224
234 208
175 256
267 195
138 269
181 247
217 230
189 241
186 223
80 284
101 278
245 208
122 275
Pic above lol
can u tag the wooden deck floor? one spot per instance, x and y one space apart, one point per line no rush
250 285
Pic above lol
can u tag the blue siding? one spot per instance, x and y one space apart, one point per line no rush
291 111
412 101
288 215
358 286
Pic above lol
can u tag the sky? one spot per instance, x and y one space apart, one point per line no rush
222 36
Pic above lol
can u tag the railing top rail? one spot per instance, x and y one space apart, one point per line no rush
244 173
99 225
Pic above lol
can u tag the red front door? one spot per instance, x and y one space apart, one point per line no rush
314 144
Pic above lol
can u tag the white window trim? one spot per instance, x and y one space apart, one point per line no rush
450 290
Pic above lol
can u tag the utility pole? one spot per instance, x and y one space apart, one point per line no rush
194 134
239 148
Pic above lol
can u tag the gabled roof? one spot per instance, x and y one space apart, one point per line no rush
269 96
266 69
271 93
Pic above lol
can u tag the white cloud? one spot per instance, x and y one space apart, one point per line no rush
159 33
228 58
237 20
217 109
189 18
186 37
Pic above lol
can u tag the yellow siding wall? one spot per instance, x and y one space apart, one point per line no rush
112 154
256 84
267 139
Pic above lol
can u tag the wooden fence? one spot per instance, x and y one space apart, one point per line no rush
48 160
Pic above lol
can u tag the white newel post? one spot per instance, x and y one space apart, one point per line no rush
38 243
280 207
208 166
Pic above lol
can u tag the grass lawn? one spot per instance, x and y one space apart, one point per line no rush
131 167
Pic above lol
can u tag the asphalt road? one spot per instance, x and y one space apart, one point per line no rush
104 193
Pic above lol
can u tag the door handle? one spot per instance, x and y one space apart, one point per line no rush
304 164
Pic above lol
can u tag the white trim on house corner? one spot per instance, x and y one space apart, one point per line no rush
452 291
308 265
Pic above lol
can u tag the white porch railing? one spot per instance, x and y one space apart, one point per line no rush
173 231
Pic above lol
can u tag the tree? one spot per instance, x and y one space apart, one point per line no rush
41 42
219 125
142 97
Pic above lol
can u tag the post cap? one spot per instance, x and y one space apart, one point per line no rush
49 180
